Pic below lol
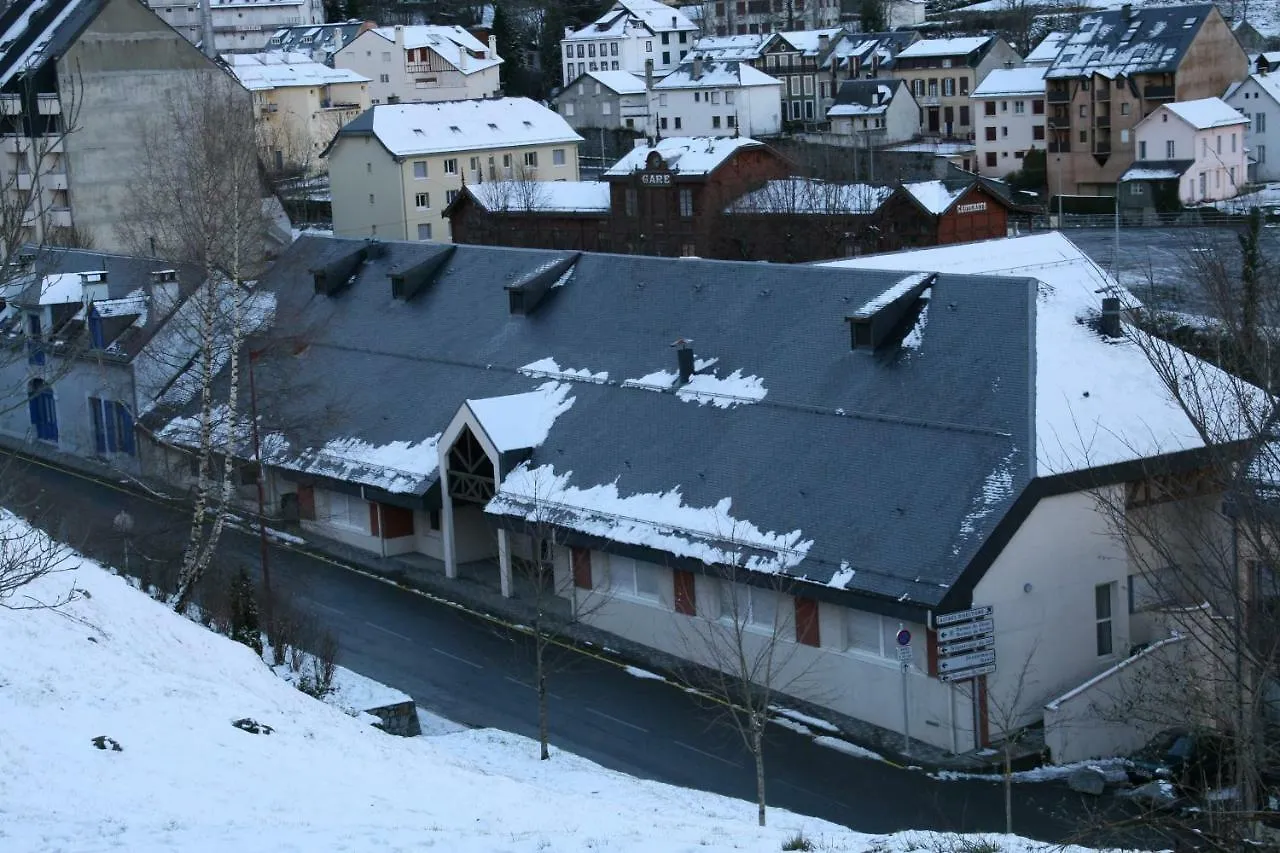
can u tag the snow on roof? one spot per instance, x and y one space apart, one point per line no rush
428 128
542 196
399 467
686 155
1206 113
31 53
1047 50
448 42
1012 81
522 421
656 520
62 289
945 47
622 82
934 196
1098 401
549 368
891 294
657 17
811 196
260 71
1268 83
808 41
845 110
134 304
1153 39
716 73
941 148
1163 170
743 47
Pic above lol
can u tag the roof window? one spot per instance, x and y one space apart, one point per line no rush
455 128
492 126
418 131
1188 23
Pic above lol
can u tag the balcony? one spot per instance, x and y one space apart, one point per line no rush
59 217
1102 148
1102 121
54 181
1157 93
928 100
421 68
14 144
1102 93
268 108
1059 123
47 104
1058 96
1059 147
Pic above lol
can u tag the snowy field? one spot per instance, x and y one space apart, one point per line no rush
117 664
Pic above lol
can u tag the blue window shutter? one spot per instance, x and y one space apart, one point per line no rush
99 431
96 336
109 418
34 404
126 430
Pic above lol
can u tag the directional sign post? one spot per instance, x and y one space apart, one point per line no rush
967 649
904 661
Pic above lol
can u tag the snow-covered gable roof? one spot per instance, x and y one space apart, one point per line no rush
428 128
808 196
1012 81
35 31
324 39
1205 113
1047 50
262 71
628 14
1156 170
865 97
542 196
621 82
936 196
522 421
962 46
448 42
807 42
685 155
1097 401
1153 40
715 74
741 47
1268 83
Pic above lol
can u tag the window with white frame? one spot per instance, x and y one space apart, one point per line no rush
662 100
1019 107
419 169
606 108
422 201
1168 149
450 195
1103 604
451 166
531 159
749 605
728 97
346 511
630 579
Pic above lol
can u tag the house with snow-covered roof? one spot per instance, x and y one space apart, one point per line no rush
1257 98
874 112
422 62
717 98
604 100
942 72
1196 146
627 37
394 168
796 57
533 415
1115 70
320 42
1009 109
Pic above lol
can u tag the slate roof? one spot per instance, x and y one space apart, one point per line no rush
684 155
276 69
1153 40
649 14
324 38
35 31
715 73
1156 170
742 47
865 97
864 46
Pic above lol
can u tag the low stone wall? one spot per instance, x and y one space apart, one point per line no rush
398 719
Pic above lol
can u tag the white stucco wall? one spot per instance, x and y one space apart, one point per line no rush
1262 137
374 56
756 109
359 167
1014 131
1219 170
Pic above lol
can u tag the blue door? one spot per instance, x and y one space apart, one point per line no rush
44 412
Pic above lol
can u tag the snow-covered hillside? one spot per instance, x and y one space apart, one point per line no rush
118 664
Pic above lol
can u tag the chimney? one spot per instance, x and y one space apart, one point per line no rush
463 56
697 66
164 291
684 359
493 46
1126 12
337 39
1110 324
648 75
875 66
93 286
400 38
824 43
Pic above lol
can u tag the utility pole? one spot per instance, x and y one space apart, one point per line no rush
257 455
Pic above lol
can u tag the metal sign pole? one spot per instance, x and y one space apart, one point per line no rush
904 663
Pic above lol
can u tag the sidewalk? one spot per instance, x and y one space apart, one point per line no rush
476 590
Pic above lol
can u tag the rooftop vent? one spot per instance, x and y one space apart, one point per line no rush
335 276
410 281
526 292
95 277
684 359
881 321
1109 324
164 276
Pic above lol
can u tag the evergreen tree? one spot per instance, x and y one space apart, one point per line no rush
244 612
511 48
554 22
872 14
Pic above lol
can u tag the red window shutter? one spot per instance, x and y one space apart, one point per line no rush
581 559
807 622
373 518
686 593
307 502
397 521
931 649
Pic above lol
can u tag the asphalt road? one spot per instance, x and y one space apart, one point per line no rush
478 673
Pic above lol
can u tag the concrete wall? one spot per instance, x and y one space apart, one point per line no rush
634 48
1262 137
119 74
1042 587
368 190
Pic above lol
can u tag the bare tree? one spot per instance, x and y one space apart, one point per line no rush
200 201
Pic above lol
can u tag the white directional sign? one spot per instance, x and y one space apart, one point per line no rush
963 616
961 647
966 661
966 674
904 654
966 630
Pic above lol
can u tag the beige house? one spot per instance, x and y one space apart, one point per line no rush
395 168
422 63
1116 70
942 73
299 104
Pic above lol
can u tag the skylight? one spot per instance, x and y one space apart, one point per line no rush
418 131
1188 23
492 126
455 128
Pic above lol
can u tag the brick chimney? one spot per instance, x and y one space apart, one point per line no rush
824 43
697 66
400 37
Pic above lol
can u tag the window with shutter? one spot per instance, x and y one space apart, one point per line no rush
581 561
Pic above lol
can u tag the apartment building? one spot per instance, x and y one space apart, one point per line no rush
744 17
79 79
299 104
604 99
1009 106
1116 69
1198 145
422 63
238 25
942 73
714 98
1258 99
627 37
796 58
394 169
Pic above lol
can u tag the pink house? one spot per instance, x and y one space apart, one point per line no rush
1201 143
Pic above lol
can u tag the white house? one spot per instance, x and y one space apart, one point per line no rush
422 63
715 98
1258 98
874 112
1009 108
1204 141
625 37
395 168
